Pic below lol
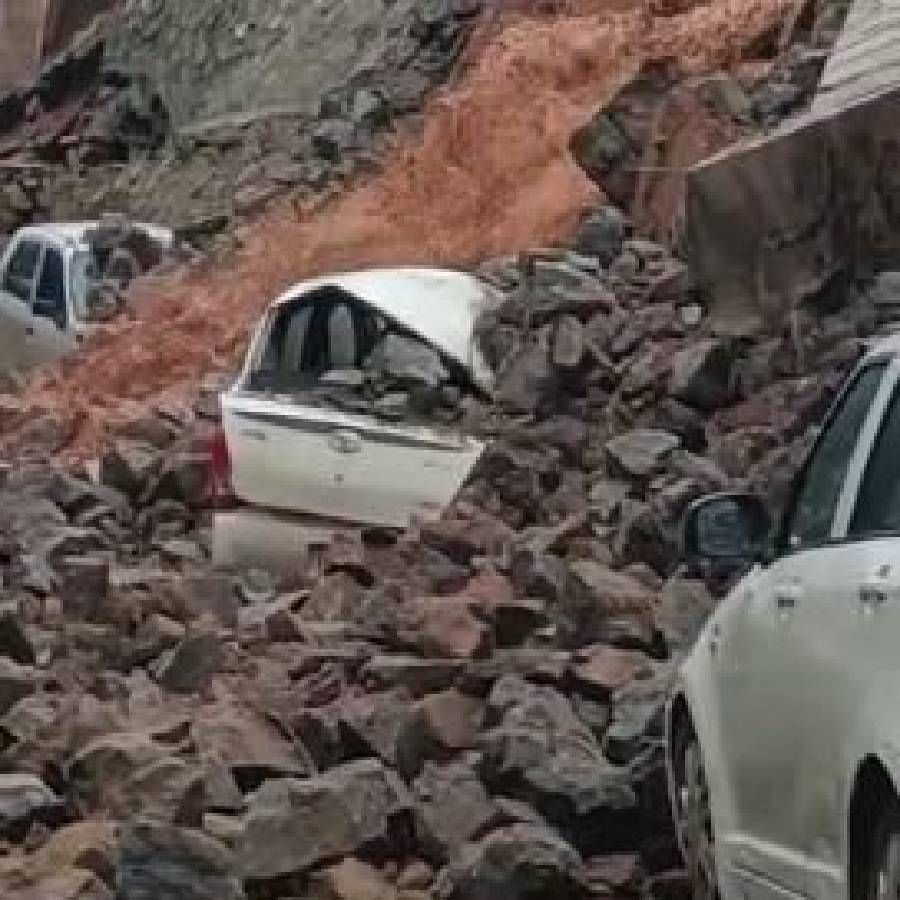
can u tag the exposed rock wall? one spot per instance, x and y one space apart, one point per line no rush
243 58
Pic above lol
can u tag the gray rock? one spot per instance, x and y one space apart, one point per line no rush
128 467
451 808
190 666
601 234
159 861
642 452
683 609
293 826
520 862
16 682
540 752
638 717
568 344
24 801
701 375
14 641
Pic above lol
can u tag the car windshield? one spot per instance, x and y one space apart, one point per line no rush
83 274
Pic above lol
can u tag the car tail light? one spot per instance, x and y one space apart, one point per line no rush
221 490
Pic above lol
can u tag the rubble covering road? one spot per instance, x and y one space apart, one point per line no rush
467 709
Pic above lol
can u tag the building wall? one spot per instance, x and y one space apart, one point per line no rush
21 39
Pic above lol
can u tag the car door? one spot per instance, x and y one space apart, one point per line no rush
775 667
16 296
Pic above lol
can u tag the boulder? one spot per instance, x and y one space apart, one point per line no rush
190 666
14 641
24 801
601 233
641 453
702 375
520 862
601 670
541 753
16 682
251 748
293 826
159 861
352 879
451 808
128 467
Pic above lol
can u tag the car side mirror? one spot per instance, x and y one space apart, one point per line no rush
727 530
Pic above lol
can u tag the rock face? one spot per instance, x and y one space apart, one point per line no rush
253 51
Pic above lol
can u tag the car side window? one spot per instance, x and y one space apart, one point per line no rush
815 504
50 297
21 269
878 503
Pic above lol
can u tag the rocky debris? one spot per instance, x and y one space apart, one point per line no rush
468 709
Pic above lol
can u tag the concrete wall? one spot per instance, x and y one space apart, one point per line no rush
789 219
21 39
866 58
65 18
802 213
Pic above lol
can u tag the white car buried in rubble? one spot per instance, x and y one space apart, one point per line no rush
49 275
289 460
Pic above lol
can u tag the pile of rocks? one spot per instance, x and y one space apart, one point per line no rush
467 710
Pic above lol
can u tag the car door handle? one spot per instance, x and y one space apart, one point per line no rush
345 441
787 596
29 330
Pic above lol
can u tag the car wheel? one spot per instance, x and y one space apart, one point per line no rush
693 816
884 880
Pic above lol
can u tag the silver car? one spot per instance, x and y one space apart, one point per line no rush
783 735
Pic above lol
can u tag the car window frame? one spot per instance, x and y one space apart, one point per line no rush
46 248
857 463
38 265
892 397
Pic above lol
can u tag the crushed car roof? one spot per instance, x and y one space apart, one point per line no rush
76 232
440 305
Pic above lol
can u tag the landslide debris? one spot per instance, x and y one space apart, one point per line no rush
488 174
468 709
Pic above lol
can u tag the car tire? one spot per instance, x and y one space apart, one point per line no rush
693 814
883 879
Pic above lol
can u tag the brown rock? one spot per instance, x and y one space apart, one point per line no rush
601 670
251 748
445 627
352 880
66 884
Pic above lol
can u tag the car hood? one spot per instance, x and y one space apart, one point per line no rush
440 306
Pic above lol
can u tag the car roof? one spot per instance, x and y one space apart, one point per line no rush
440 305
889 345
74 233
